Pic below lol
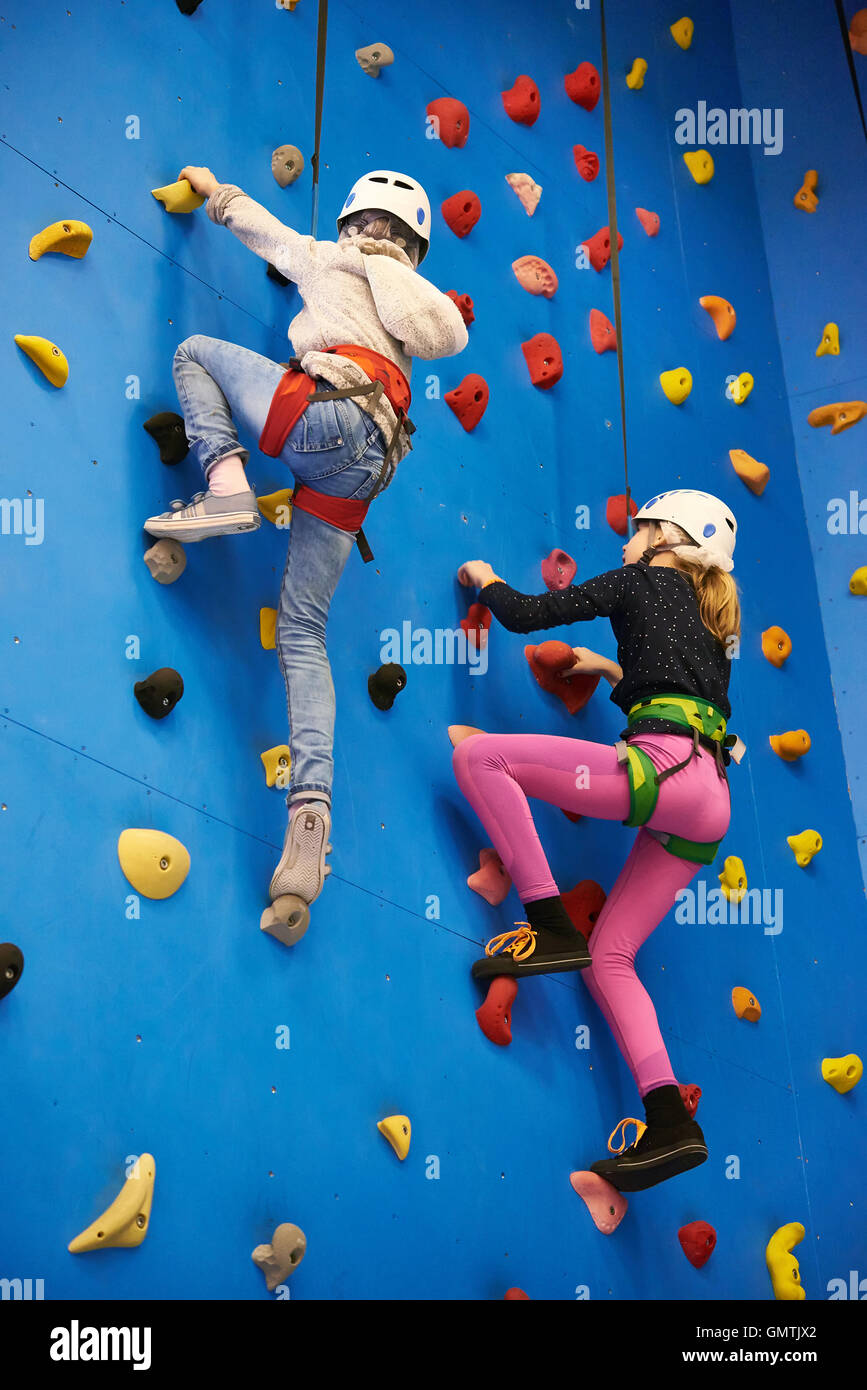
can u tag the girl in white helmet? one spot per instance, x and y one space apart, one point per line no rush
675 612
339 419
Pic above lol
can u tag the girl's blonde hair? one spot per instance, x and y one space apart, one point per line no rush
717 593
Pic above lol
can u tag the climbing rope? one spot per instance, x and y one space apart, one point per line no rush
321 34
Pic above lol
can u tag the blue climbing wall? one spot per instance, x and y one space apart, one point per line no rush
160 1033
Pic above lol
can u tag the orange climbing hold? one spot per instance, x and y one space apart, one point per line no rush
776 645
750 471
858 32
648 220
805 198
745 1004
602 334
721 312
790 746
840 416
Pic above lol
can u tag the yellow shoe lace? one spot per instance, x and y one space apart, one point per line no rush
640 1127
521 943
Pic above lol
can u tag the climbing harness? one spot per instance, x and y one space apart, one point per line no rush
296 389
640 1127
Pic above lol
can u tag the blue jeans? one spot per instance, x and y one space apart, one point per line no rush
337 449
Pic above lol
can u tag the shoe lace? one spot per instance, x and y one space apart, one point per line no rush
179 504
521 943
640 1127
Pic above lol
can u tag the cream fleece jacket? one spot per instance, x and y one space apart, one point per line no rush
354 291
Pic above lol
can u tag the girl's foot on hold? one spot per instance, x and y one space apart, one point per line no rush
301 873
667 1145
207 515
526 951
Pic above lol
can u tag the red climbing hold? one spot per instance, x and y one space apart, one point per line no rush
558 570
690 1095
453 121
586 162
547 661
476 625
648 220
469 401
516 1293
615 512
602 334
599 248
571 815
464 304
584 903
522 101
583 86
490 880
697 1241
494 1017
544 360
462 211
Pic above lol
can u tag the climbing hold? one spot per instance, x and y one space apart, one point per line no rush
741 388
494 1017
11 965
858 32
858 581
615 512
464 305
490 879
452 121
281 1256
190 6
805 198
373 57
804 846
583 86
169 431
547 661
277 506
462 211
514 1295
287 164
750 471
697 1241
155 863
605 1204
790 746
159 693
521 101
783 1266
571 815
776 645
830 344
385 684
733 879
469 401
745 1004
839 416
268 628
682 32
676 384
458 732
535 275
842 1072
397 1130
47 356
476 624
277 763
700 165
602 334
544 360
584 903
69 238
690 1095
125 1222
178 197
166 561
635 76
648 220
722 313
586 162
274 274
558 570
527 190
598 248
286 919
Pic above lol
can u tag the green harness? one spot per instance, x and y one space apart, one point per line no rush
708 727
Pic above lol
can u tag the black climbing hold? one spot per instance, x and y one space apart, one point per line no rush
188 6
274 274
11 965
159 693
385 683
167 429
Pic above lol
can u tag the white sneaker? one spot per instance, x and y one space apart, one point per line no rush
206 516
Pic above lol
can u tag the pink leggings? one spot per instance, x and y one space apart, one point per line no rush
497 772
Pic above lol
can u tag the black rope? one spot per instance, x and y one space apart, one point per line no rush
320 89
844 29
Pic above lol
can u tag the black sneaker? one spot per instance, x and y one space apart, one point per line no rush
660 1152
528 952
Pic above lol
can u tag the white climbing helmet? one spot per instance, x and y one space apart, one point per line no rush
704 518
397 193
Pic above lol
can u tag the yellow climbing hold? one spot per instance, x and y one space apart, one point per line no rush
843 1072
70 238
397 1130
125 1222
745 1004
750 471
733 879
741 388
700 165
268 628
277 762
676 384
178 197
791 745
683 31
155 863
804 846
47 356
782 1264
635 78
858 582
830 341
277 506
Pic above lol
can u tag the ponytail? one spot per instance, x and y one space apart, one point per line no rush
717 593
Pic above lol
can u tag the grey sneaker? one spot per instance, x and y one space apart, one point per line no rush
299 877
206 516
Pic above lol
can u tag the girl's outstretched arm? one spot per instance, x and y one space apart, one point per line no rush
595 598
260 231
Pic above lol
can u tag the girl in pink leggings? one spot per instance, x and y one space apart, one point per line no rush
674 609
